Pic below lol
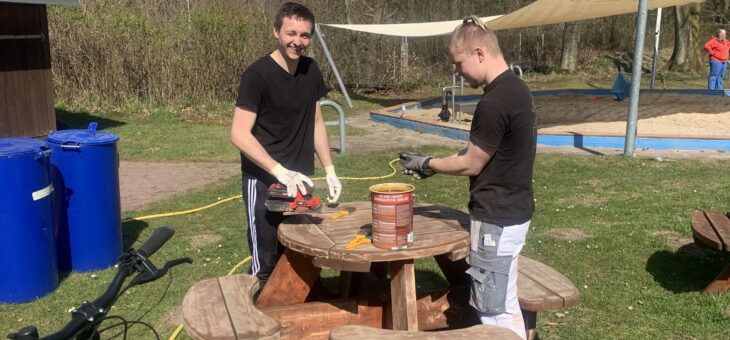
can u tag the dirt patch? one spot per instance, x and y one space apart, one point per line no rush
676 240
588 201
173 317
592 182
142 183
568 234
202 240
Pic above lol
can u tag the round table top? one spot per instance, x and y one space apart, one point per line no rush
437 230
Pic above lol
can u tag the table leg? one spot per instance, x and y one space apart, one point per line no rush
345 281
721 283
530 318
454 271
403 295
290 282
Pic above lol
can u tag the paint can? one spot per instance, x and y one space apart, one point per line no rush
392 206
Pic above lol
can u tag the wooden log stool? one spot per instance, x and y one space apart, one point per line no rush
711 229
471 333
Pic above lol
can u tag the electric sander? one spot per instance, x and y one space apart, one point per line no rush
279 200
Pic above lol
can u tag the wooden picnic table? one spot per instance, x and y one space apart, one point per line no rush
323 241
293 305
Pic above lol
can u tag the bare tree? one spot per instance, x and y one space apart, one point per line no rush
686 56
569 58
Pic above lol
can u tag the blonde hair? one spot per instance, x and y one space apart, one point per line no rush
472 33
720 32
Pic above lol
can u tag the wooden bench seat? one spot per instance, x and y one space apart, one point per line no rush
222 308
541 288
711 229
471 333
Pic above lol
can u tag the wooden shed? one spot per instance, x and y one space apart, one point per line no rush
26 86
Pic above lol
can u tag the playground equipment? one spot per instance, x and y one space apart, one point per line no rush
340 121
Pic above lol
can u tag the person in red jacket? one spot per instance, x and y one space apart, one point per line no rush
718 48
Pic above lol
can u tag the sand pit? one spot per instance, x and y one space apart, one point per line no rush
660 114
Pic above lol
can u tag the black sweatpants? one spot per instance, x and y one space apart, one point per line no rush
263 226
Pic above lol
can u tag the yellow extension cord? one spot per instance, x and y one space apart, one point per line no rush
244 261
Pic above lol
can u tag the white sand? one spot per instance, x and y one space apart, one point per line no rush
659 114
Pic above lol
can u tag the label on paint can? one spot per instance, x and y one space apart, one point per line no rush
42 193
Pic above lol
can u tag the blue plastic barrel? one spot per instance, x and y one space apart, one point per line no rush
85 169
27 245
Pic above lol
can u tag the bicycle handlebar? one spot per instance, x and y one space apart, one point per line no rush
88 313
87 317
155 241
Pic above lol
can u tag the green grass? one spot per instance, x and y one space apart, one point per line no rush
633 211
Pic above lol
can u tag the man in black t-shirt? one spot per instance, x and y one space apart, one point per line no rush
278 126
498 160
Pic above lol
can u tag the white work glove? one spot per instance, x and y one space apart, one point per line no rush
292 180
333 184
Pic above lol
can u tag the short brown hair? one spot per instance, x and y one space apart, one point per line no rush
292 10
474 32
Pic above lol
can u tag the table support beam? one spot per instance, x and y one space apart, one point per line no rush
403 295
720 284
290 282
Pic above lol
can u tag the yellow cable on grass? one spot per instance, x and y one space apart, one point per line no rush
390 164
149 217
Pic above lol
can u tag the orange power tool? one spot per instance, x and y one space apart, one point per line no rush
279 201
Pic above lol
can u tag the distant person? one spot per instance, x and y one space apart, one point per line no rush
278 127
718 48
498 159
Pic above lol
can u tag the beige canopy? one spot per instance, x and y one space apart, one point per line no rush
540 12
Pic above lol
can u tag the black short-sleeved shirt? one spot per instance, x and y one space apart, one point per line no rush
504 121
285 107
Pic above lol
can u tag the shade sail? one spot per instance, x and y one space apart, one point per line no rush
546 12
540 12
421 29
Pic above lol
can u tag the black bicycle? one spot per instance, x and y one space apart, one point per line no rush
86 319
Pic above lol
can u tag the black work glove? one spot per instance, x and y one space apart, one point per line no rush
416 164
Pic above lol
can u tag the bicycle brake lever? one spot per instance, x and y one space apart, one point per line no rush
176 262
153 273
25 333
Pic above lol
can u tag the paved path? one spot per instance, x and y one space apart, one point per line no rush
142 183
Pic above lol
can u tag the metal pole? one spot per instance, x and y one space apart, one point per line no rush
630 140
340 121
657 31
332 64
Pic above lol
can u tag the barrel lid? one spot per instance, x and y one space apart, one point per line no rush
86 137
14 147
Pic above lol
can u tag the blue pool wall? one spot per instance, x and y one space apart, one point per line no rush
570 139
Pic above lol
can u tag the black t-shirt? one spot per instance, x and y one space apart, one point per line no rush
505 121
285 107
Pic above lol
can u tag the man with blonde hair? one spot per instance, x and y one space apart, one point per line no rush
498 160
717 47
